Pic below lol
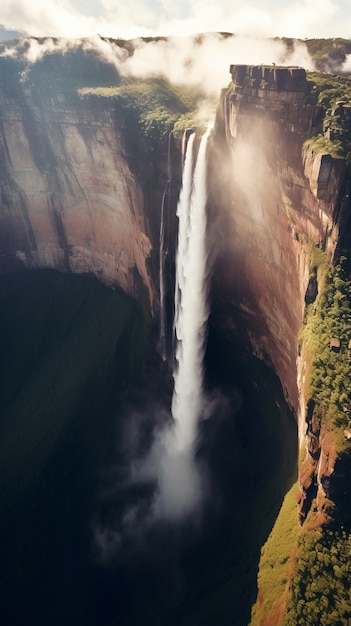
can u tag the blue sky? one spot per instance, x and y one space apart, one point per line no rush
133 18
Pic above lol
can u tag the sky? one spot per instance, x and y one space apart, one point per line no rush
128 19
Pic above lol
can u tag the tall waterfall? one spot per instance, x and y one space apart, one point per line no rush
191 307
171 458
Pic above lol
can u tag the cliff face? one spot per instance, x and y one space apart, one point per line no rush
69 199
77 194
277 198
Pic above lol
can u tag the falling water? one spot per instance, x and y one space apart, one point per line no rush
163 255
191 298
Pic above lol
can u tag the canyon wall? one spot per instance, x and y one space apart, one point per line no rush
81 192
69 197
272 199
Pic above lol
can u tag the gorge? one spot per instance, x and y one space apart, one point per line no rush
84 389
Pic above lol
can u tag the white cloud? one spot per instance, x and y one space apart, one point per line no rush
207 63
183 60
308 18
346 66
295 18
45 18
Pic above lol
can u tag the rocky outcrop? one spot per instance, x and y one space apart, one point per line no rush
69 198
316 467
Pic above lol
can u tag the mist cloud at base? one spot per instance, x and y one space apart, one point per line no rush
151 488
179 483
153 493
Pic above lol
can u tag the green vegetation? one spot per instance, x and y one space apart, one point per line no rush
274 572
305 574
329 371
332 134
320 591
328 89
328 54
154 105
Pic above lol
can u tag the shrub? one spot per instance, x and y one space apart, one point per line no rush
320 591
154 105
325 318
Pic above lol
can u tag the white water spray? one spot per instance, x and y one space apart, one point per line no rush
172 456
191 307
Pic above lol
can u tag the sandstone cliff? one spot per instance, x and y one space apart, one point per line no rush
279 196
69 199
77 195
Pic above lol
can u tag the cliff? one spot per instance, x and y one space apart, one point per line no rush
81 192
69 199
280 196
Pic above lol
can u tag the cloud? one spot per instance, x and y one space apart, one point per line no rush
73 18
202 61
43 17
346 66
205 61
308 18
180 486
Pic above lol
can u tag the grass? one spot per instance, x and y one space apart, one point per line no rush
304 575
153 105
274 568
331 135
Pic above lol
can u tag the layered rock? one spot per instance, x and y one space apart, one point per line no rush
72 198
69 198
274 197
277 198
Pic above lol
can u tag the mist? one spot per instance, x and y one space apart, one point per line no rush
201 61
204 60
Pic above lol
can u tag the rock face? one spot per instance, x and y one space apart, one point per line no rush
73 197
273 199
69 199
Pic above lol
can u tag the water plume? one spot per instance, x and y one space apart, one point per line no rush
191 298
179 480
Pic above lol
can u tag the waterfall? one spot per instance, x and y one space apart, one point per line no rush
163 255
171 458
191 307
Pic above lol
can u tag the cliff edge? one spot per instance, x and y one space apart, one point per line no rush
69 199
284 189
